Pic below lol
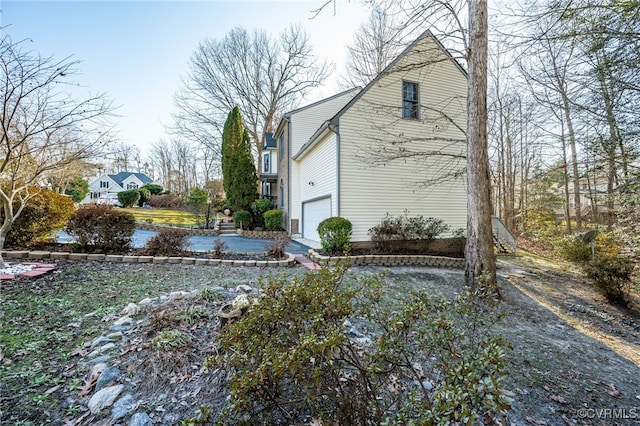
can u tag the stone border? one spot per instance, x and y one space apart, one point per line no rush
52 255
191 231
261 234
388 260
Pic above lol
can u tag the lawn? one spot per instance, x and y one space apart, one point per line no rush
572 354
169 217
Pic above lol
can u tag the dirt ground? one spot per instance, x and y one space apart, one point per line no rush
575 360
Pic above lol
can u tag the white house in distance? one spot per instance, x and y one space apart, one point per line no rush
104 189
398 145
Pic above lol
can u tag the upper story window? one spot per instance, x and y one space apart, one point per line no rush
281 145
266 160
104 184
410 101
132 185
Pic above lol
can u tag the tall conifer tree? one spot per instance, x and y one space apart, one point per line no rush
238 169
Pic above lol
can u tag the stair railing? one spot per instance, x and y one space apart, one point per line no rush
503 237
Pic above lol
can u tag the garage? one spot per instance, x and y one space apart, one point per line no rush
314 212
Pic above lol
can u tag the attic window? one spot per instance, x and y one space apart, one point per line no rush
104 184
132 185
410 92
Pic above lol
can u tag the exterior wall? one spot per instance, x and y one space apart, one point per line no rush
318 177
282 184
303 124
372 131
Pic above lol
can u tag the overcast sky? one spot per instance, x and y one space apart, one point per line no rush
136 51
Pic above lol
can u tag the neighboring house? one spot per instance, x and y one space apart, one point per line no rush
354 154
269 174
104 189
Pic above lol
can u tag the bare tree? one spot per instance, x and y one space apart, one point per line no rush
44 130
263 75
374 46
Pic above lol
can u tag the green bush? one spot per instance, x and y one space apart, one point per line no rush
153 188
393 232
167 242
44 214
145 196
77 189
572 248
242 219
292 356
611 276
101 227
259 207
335 234
128 198
273 220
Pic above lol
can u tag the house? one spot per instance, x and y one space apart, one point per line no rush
104 189
397 145
269 173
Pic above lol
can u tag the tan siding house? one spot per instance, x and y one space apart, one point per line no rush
397 146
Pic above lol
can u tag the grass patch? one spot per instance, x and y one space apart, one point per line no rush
46 322
166 217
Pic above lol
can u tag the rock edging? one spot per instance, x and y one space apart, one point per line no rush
262 234
190 231
107 388
388 260
117 258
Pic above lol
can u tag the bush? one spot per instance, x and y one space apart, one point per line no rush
77 189
242 219
573 249
153 188
167 242
277 247
290 356
128 198
102 227
145 196
611 275
335 234
273 220
45 214
219 248
259 207
393 232
165 201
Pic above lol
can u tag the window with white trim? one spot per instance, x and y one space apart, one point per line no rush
410 100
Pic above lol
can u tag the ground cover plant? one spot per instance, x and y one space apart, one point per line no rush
573 353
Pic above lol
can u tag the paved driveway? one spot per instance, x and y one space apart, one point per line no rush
235 243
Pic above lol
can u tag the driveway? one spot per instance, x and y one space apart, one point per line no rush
234 243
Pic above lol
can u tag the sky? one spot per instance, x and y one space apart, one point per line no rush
137 51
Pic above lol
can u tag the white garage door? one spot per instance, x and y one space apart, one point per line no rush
314 212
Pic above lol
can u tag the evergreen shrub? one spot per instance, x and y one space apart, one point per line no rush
611 276
335 234
128 198
259 207
242 219
294 356
102 227
273 220
393 232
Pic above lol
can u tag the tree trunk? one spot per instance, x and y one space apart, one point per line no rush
479 254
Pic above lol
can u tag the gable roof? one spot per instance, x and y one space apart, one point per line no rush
333 121
121 176
269 141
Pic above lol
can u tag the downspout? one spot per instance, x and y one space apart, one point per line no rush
333 127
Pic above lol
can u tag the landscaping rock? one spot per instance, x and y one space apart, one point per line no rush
125 320
243 288
131 310
102 340
140 419
99 360
104 398
107 377
123 406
